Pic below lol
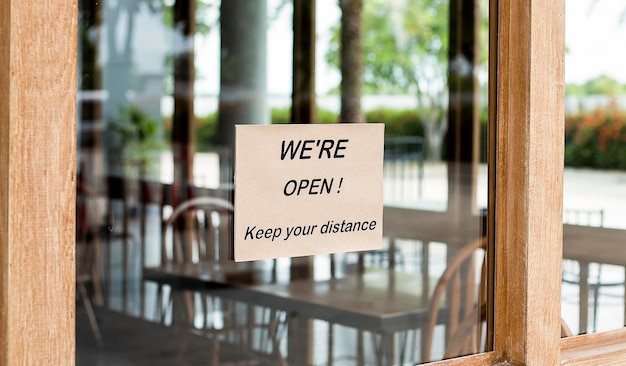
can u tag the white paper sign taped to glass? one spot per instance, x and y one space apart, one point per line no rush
307 189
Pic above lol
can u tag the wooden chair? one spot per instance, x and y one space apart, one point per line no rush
198 232
465 305
464 302
87 257
193 239
116 229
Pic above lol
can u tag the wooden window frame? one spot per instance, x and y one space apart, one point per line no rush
38 49
526 128
38 53
527 105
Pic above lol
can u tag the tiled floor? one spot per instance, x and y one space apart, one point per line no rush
132 341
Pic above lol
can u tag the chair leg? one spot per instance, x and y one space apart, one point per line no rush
596 298
159 311
82 292
276 330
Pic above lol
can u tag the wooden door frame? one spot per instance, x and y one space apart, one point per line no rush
38 49
526 103
529 180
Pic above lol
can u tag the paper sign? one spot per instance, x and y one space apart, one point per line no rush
307 189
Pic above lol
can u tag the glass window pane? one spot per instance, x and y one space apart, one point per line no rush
162 84
593 269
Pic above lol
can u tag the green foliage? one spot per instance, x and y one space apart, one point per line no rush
283 115
203 7
574 89
326 116
280 115
601 85
136 134
397 122
206 127
405 51
596 139
402 48
134 124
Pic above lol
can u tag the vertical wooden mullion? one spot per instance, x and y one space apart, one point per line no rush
5 102
529 180
38 45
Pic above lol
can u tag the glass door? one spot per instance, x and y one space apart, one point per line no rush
162 85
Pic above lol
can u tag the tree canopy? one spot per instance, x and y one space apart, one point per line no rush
405 50
404 45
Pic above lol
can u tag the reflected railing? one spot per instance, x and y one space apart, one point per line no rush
403 168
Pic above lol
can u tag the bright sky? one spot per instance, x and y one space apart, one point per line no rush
595 39
594 36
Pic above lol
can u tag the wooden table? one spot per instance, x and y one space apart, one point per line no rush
375 300
208 275
594 244
379 301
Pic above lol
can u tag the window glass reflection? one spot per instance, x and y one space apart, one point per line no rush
162 84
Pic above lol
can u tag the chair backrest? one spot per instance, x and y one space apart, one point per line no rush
465 299
198 225
84 230
466 305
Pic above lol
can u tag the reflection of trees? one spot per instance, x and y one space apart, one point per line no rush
114 12
120 17
351 64
180 16
405 51
137 139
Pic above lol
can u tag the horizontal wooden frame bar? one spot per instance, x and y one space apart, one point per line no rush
605 348
487 358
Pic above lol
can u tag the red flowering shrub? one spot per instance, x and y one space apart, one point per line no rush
596 139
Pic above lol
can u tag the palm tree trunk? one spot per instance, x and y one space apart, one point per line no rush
183 138
351 61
